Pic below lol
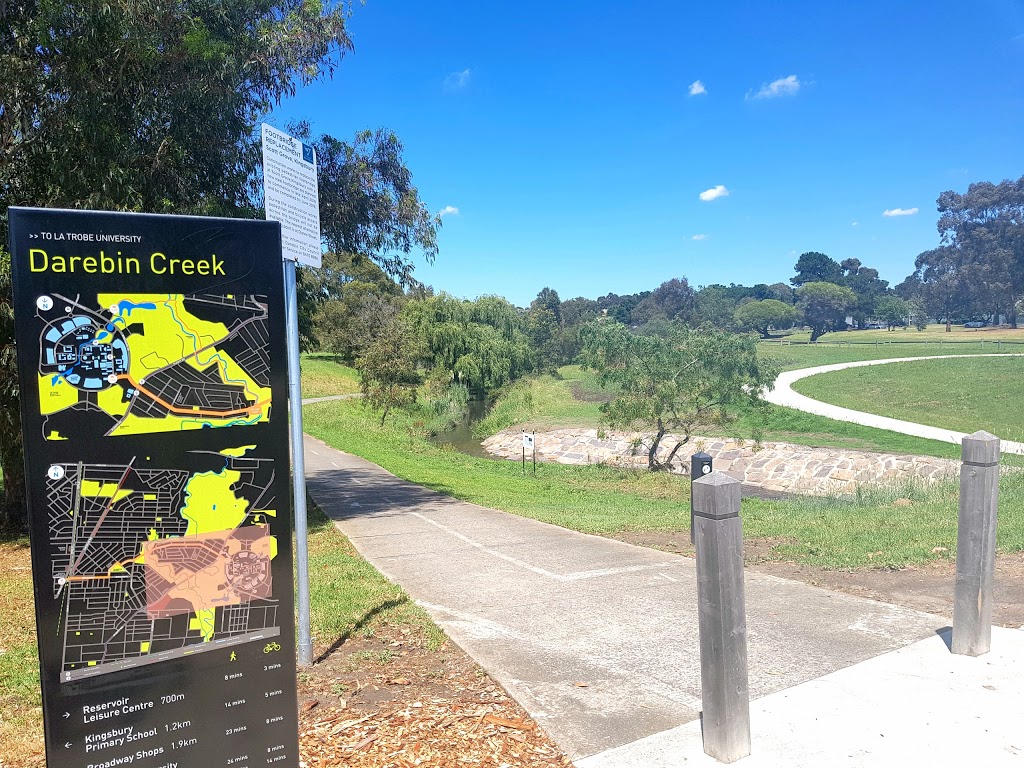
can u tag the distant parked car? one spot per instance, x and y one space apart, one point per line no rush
975 324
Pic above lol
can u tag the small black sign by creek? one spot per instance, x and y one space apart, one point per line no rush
154 395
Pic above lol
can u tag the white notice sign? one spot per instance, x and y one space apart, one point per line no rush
291 194
527 441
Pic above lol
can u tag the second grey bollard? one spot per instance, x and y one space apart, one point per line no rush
721 613
976 545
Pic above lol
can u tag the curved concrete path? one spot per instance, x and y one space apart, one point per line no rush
783 394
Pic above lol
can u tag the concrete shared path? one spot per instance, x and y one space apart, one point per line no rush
783 394
597 639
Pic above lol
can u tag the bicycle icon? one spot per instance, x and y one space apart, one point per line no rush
271 647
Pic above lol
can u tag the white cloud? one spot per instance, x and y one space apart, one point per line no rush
448 210
900 212
457 80
697 88
784 86
714 193
855 224
700 237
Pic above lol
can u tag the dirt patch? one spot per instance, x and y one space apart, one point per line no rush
926 587
590 396
388 700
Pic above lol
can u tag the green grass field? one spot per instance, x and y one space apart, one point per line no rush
19 669
792 356
963 395
935 333
833 533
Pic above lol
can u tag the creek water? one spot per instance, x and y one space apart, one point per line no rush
461 437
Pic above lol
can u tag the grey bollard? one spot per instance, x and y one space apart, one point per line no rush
976 545
725 695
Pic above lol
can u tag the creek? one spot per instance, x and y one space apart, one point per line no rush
461 437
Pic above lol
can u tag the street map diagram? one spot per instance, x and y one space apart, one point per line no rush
128 364
153 564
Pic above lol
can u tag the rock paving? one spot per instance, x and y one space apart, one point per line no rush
774 466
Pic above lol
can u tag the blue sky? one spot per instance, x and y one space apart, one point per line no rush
566 136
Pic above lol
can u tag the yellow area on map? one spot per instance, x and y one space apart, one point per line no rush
144 647
211 505
273 547
106 490
207 618
55 397
237 452
55 435
112 401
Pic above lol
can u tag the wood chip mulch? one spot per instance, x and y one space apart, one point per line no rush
413 707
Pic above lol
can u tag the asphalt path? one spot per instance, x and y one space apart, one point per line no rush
784 394
597 639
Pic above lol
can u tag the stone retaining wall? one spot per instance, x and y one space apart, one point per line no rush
774 466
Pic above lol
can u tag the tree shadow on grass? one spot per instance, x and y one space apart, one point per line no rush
363 621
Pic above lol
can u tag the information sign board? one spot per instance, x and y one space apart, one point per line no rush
292 195
152 358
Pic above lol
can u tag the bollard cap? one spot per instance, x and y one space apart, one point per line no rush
716 496
980 448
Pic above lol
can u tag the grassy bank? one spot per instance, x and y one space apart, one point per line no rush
21 727
322 377
868 529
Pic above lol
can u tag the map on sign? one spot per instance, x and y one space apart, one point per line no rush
128 364
153 564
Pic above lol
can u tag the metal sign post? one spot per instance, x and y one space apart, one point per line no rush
292 197
305 647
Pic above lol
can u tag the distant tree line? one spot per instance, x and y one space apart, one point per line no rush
978 269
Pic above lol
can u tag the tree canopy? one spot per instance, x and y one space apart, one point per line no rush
824 306
149 105
678 380
814 267
763 315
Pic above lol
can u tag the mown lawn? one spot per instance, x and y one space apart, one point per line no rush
792 356
963 395
867 529
935 332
